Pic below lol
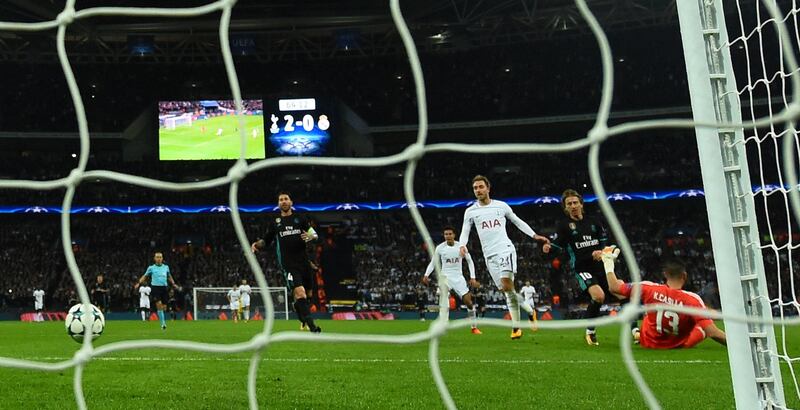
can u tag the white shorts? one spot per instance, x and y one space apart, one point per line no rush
502 265
246 302
235 306
143 304
530 302
457 283
38 306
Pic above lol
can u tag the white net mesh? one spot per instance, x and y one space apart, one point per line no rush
599 133
765 87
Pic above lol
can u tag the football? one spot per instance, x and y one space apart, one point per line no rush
84 315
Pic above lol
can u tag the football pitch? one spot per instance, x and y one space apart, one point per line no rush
200 140
549 369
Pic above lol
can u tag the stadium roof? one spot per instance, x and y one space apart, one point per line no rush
316 29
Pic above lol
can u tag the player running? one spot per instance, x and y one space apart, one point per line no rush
451 261
583 238
489 217
529 293
291 232
665 329
159 276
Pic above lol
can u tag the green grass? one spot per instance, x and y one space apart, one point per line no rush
188 142
543 370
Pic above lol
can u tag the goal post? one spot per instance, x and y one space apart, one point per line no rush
731 210
210 302
171 123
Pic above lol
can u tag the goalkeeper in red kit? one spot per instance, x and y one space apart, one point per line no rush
666 329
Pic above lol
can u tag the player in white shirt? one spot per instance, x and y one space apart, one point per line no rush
489 217
233 302
449 256
529 293
144 301
38 305
245 291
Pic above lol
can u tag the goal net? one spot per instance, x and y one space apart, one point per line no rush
171 123
765 70
763 43
212 303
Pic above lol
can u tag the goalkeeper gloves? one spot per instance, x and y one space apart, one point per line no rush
610 254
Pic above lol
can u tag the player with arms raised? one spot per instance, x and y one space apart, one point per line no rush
666 329
449 255
291 232
489 217
159 276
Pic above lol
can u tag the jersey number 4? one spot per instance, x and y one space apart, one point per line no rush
672 321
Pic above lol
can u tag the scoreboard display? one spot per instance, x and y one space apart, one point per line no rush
298 127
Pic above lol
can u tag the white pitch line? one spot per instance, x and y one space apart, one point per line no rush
298 360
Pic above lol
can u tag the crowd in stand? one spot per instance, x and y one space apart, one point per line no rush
389 256
642 167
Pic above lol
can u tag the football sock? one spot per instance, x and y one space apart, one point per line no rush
513 308
161 318
592 311
471 317
143 315
303 311
247 314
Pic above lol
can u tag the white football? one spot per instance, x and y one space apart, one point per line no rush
80 316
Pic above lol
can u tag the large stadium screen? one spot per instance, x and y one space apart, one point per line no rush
299 127
209 129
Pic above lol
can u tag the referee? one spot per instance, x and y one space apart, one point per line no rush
159 275
291 232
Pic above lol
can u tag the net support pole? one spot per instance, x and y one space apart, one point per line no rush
194 303
730 205
286 302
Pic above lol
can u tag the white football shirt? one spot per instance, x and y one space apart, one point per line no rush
245 290
38 296
144 294
234 295
451 261
528 291
490 222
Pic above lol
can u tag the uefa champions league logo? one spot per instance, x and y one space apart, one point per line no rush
98 210
220 208
690 193
418 205
546 200
347 207
36 210
159 209
619 197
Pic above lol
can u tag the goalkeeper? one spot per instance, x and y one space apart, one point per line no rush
291 232
665 329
